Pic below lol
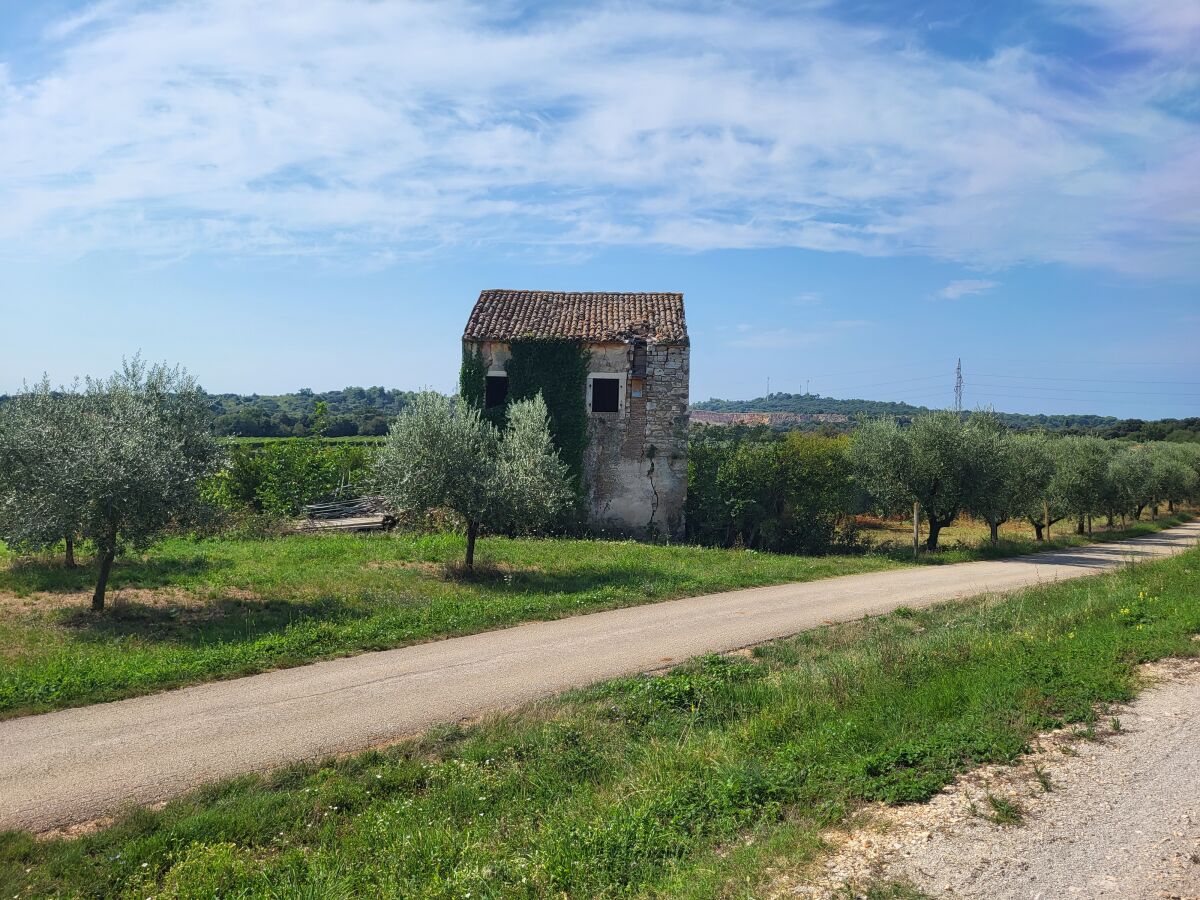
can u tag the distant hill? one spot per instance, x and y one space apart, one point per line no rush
812 411
812 404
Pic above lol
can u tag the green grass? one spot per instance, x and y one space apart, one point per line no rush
224 607
698 783
1003 811
196 610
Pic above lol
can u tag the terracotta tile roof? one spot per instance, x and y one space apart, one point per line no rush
505 315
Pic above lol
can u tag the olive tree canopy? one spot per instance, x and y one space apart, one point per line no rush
1173 476
929 463
1080 476
41 498
1035 460
442 454
1130 480
148 445
1009 473
131 451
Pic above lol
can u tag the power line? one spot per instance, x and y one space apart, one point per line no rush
1096 363
1089 380
1069 390
1040 397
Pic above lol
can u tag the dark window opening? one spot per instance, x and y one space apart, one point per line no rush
496 392
605 394
639 359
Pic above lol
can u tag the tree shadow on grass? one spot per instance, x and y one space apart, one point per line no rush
196 624
514 581
26 576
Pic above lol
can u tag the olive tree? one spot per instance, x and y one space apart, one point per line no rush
442 454
115 462
928 463
536 484
1034 471
1009 473
41 496
1080 477
146 446
1172 476
1130 481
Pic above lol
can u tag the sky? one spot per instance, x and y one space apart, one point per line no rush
851 195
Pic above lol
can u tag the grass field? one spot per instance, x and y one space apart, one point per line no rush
195 610
698 783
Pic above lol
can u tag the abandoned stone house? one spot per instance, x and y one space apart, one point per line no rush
636 394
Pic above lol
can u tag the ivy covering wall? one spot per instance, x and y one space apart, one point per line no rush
558 369
472 378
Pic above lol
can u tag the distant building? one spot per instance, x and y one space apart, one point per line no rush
635 465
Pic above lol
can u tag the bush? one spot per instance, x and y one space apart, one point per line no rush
786 496
280 478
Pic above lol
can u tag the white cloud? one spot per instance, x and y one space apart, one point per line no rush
956 290
370 131
1160 26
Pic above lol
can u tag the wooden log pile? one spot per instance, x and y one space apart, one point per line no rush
353 514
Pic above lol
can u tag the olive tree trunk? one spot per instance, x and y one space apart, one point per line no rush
106 562
935 527
472 533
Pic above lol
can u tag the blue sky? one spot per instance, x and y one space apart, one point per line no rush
851 195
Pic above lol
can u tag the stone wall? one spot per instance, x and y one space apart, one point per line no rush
635 465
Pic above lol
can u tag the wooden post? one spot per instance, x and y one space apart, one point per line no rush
916 530
1046 518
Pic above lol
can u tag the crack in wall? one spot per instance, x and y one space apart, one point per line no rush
653 488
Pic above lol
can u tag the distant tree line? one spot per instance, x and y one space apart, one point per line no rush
367 412
1175 430
345 413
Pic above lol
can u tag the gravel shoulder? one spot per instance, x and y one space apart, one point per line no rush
1114 815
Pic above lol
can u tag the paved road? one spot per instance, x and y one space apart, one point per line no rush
79 764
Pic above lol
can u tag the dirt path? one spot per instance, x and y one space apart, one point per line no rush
80 764
1121 818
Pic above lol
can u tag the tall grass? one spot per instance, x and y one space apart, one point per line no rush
690 784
